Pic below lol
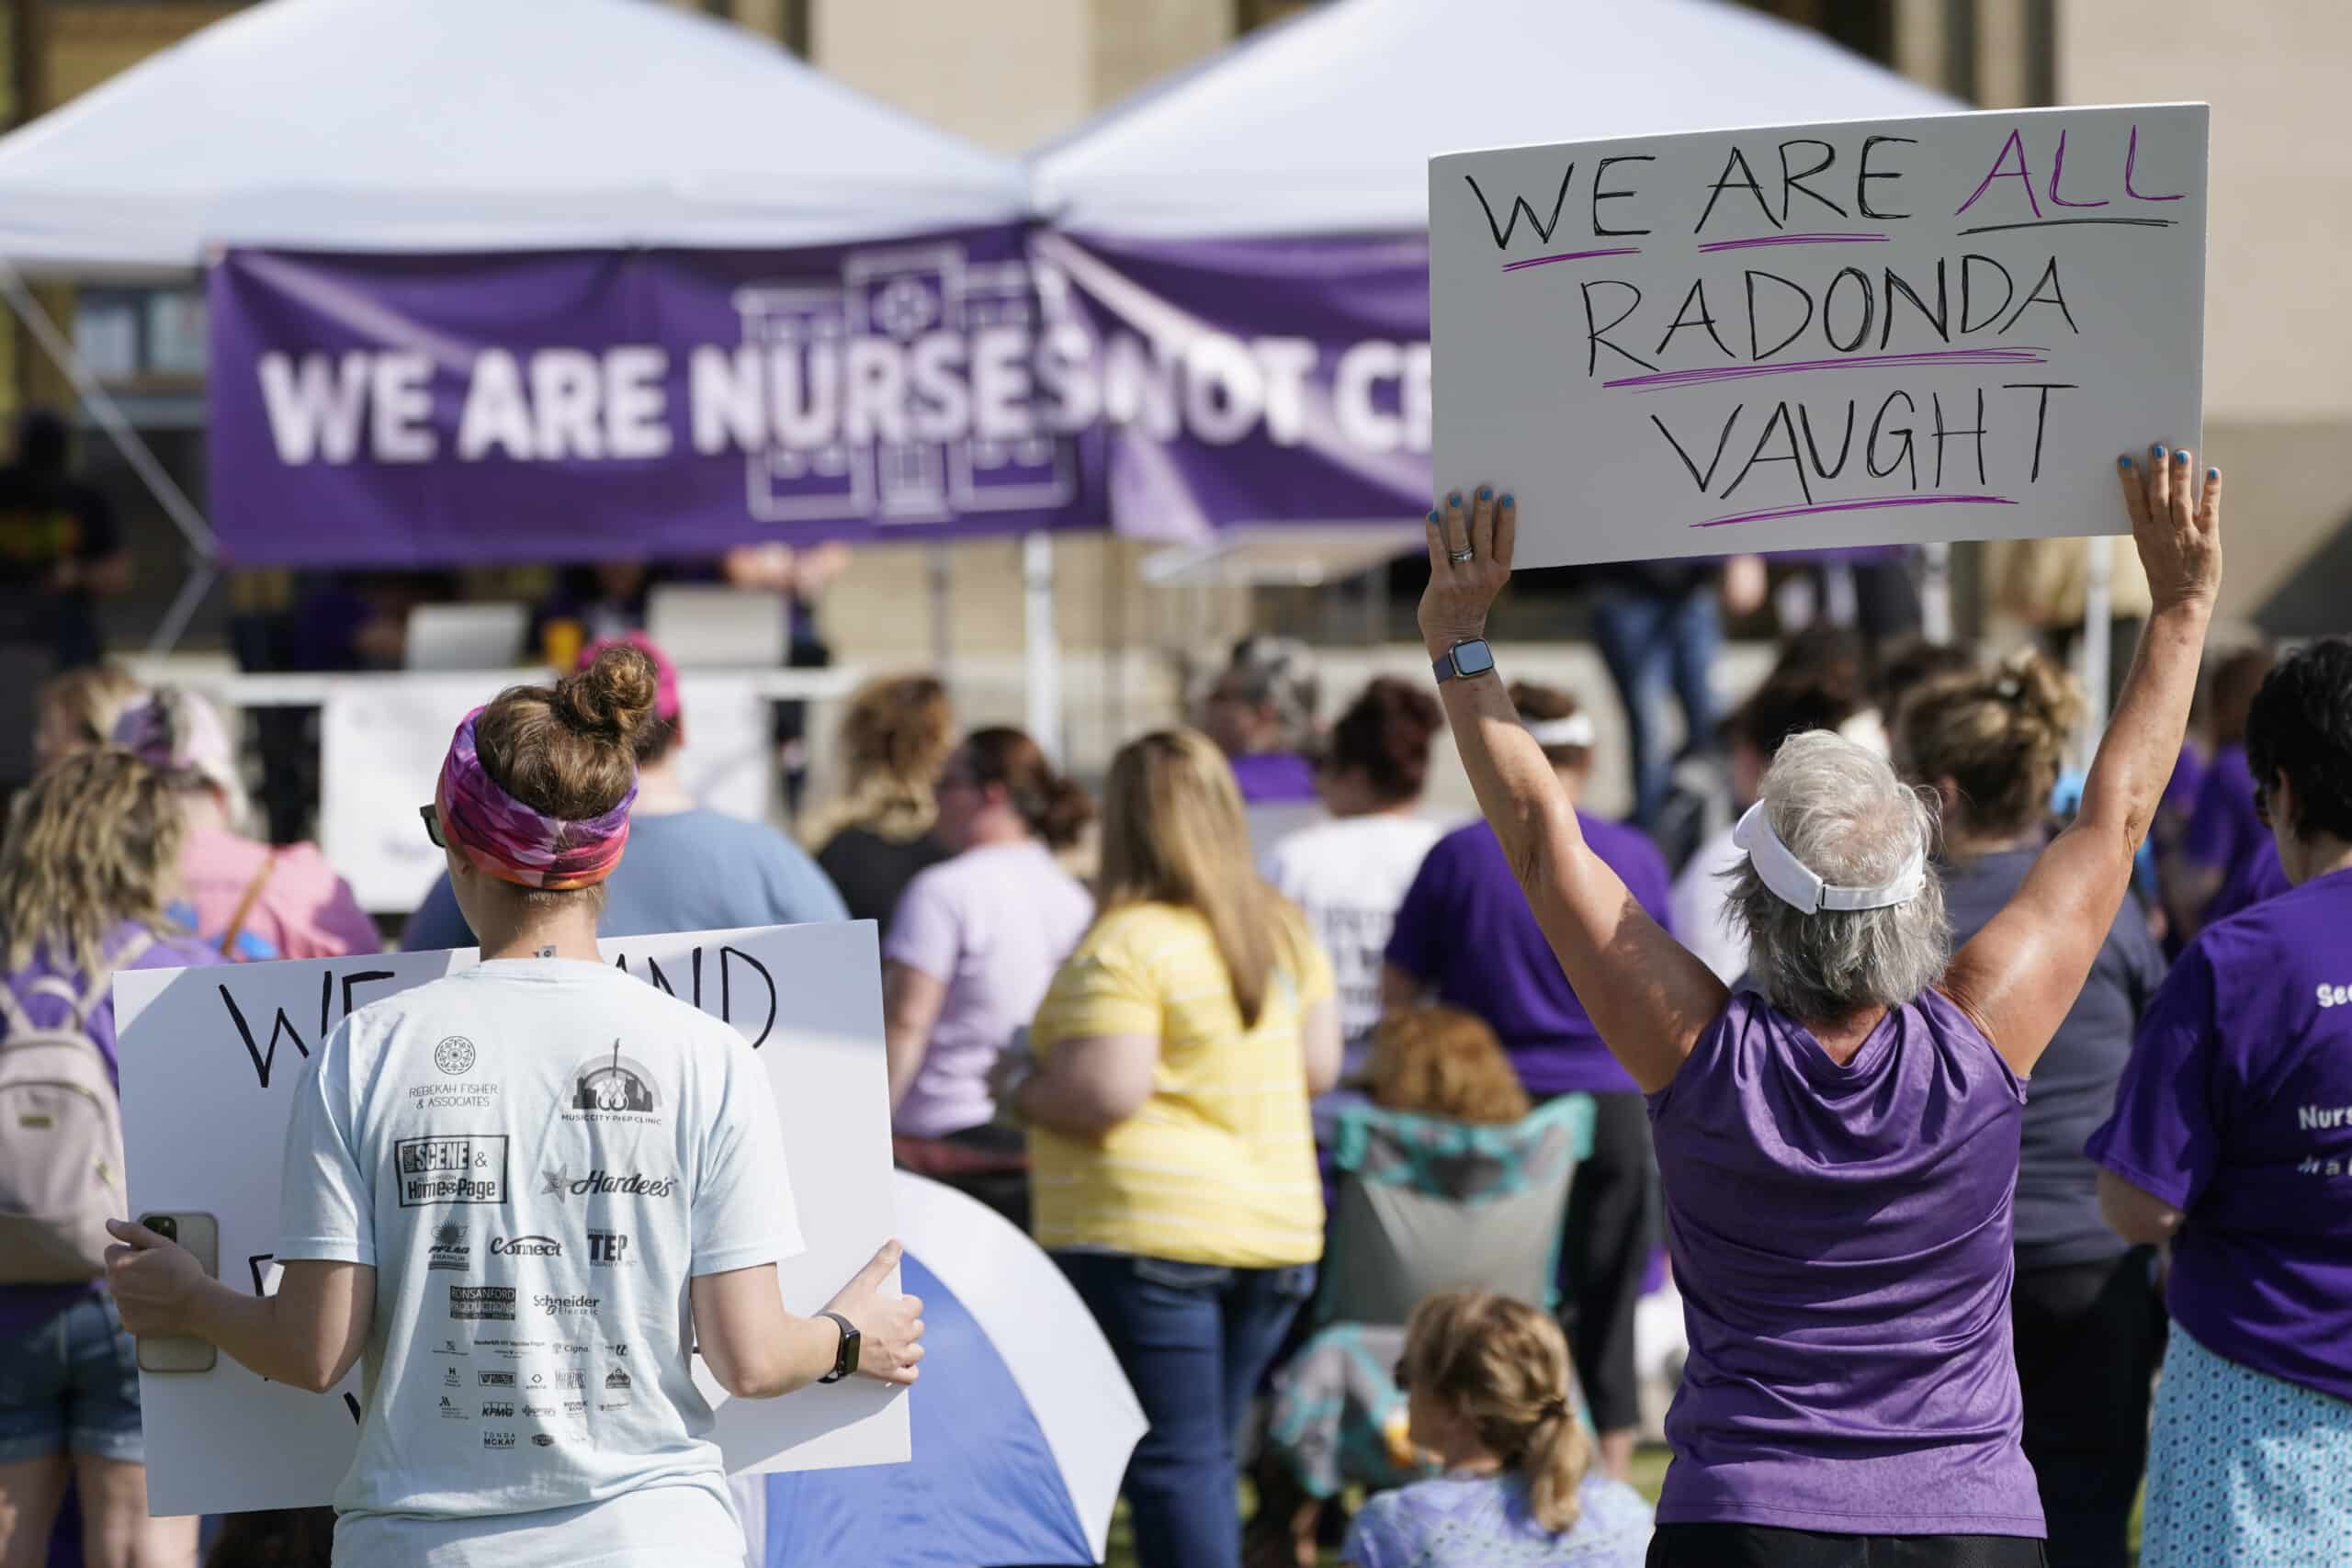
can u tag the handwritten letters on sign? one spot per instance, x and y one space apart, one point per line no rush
1859 333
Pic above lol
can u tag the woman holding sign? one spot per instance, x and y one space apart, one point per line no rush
1839 1143
520 1193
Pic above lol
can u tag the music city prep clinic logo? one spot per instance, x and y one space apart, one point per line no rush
466 1169
955 337
454 1057
609 1087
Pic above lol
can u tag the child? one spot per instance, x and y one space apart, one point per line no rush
1487 1379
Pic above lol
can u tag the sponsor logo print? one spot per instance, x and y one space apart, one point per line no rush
607 1249
498 1439
617 1380
470 1169
575 1408
609 1087
600 1183
554 1304
483 1302
2334 996
451 1411
526 1247
543 1439
568 1377
449 1347
454 1057
539 1410
498 1380
449 1249
499 1409
619 1349
451 1380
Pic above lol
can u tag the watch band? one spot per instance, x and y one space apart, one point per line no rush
1453 665
845 1358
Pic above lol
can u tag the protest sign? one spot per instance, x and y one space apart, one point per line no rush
1857 334
381 739
211 1061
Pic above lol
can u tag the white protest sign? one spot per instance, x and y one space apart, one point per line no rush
210 1059
1869 333
381 739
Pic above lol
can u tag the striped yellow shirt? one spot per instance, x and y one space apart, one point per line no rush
1218 1166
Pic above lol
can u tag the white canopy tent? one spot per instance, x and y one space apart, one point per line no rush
444 125
1325 125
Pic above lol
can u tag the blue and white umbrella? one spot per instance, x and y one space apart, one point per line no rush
1021 1423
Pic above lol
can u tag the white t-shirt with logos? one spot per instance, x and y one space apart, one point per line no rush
534 1156
1348 873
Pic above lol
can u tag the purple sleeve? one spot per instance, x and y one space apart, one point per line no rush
927 931
1413 943
2161 1137
2211 840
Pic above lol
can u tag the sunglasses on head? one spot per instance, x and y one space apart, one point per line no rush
432 815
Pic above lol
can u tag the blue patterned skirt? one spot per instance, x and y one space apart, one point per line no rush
2244 1470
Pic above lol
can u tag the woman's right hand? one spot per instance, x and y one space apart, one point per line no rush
889 1328
2177 523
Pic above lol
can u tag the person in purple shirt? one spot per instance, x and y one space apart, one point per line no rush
84 880
1463 935
2207 875
1839 1145
2232 1140
1262 715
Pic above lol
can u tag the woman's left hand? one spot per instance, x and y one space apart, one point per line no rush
153 1280
1470 542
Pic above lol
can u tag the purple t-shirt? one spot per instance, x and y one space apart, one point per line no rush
2179 799
1273 778
1466 930
23 1307
2224 832
1841 1238
2253 879
993 924
2236 1109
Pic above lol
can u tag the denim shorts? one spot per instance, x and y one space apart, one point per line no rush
70 1385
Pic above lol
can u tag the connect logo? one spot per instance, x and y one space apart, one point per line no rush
526 1247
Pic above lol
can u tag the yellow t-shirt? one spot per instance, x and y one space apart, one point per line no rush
1218 1166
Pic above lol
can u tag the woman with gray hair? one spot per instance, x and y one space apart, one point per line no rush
1839 1146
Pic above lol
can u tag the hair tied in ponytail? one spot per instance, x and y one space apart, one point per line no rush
1554 1409
2008 688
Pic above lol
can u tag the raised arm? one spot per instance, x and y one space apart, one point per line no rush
1648 997
2022 972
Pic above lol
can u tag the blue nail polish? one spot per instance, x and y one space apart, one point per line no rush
1453 498
2212 473
1434 516
2155 451
1507 500
2180 456
2123 462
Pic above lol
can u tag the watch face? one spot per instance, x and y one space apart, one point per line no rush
1473 657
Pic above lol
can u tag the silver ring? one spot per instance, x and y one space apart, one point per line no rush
1458 557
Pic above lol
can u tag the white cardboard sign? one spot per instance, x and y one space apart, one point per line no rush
381 739
1868 332
210 1058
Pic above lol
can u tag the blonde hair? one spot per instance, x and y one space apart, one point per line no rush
895 737
89 700
93 841
1173 832
1503 1367
570 750
1441 1061
1998 735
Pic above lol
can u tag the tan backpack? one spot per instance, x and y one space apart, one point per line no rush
60 1136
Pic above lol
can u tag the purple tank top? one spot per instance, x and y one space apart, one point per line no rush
1841 1238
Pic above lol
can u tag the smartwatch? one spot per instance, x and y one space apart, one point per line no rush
1464 660
844 1358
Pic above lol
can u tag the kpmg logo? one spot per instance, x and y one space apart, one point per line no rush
496 1409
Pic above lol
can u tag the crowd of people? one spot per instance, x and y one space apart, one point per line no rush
1955 1091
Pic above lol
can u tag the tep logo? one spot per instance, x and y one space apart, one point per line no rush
607 1249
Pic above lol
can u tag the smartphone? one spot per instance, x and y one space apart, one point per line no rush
200 1234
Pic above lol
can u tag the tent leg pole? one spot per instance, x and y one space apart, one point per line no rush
202 574
1045 652
942 582
2098 633
1934 593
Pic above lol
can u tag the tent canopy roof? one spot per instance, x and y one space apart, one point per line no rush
1325 124
476 125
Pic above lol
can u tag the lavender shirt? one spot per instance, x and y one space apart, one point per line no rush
993 924
2236 1109
1841 1238
1466 930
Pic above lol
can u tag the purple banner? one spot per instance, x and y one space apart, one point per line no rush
1253 381
612 405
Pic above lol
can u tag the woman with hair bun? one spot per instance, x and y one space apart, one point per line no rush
1490 1395
2083 1311
974 944
543 1094
1349 873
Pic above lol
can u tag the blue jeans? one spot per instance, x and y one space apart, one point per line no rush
1645 639
70 1385
1195 1340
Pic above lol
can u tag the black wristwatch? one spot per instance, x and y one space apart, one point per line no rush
1463 660
844 1358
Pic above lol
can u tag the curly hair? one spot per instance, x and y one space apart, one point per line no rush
1998 735
92 843
1441 1061
1503 1366
895 737
2301 726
